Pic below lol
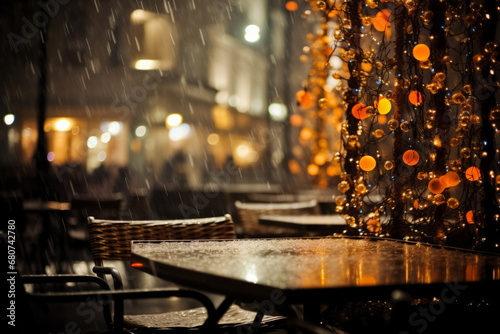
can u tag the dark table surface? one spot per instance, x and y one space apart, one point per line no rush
316 269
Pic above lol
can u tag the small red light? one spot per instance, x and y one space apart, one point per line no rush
137 265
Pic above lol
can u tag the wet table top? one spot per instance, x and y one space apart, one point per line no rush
314 268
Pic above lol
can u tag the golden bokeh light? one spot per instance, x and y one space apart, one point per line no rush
384 106
312 169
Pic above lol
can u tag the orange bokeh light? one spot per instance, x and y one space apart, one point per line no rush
296 120
381 20
306 134
359 111
415 98
304 98
291 6
367 163
382 119
472 173
294 167
320 159
470 217
313 169
411 157
435 186
421 52
450 179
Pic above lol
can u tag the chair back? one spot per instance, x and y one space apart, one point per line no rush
249 215
111 239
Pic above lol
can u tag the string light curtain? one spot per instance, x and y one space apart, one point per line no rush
419 96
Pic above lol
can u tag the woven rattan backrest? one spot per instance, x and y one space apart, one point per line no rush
249 213
111 239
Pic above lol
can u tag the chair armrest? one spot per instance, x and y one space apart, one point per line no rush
120 296
115 274
45 279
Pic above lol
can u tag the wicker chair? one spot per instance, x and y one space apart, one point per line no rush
249 216
111 240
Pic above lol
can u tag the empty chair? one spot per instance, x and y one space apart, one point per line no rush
111 240
249 215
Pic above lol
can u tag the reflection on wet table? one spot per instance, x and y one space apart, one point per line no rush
329 262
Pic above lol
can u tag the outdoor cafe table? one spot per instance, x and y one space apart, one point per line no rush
315 271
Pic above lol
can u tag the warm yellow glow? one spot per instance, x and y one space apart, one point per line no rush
147 64
437 141
333 170
213 139
139 15
294 167
366 66
62 125
245 153
384 106
222 118
367 163
306 134
173 120
312 169
320 159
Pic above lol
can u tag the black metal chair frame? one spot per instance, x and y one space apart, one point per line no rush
115 323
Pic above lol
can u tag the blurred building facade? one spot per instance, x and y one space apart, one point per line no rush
172 91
